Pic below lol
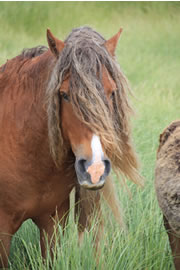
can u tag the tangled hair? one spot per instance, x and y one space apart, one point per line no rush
83 58
33 52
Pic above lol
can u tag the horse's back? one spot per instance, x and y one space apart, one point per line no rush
167 174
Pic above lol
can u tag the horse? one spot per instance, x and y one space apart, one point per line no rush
167 185
65 122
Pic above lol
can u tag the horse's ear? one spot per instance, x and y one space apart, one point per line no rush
111 44
55 45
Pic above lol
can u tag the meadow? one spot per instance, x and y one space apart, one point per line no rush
149 55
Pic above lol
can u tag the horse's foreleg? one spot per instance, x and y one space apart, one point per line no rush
48 226
88 212
5 240
174 241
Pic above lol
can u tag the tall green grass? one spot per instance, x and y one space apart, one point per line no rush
149 54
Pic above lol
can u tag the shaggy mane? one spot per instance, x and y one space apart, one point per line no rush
33 52
82 58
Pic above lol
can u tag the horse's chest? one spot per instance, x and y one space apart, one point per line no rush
54 193
34 192
50 194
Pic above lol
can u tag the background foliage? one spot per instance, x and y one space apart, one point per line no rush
149 54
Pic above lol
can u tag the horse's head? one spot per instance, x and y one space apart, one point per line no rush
92 165
84 102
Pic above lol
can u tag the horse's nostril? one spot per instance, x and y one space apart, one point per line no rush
107 164
81 164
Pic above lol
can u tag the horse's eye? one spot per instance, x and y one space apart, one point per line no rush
65 96
112 94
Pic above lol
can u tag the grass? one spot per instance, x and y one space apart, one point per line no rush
149 54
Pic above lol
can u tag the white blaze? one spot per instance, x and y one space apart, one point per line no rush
96 169
96 147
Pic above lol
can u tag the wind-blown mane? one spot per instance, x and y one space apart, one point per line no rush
83 58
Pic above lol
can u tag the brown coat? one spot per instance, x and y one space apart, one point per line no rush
167 185
31 185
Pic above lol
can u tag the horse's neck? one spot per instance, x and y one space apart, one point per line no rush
39 68
35 75
22 74
23 85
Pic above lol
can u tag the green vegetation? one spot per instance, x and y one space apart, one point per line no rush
149 54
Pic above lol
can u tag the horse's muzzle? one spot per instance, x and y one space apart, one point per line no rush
92 175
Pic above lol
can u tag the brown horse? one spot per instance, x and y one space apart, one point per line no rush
167 184
64 121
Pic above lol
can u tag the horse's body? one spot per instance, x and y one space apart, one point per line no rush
167 184
30 186
34 181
